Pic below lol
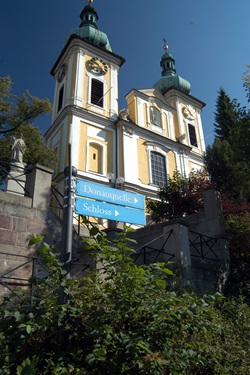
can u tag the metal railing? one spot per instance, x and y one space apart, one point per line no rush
201 246
148 250
5 170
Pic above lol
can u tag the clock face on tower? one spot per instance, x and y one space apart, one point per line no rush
189 112
98 66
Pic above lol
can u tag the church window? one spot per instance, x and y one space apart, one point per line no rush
97 92
60 99
158 169
95 160
192 135
155 116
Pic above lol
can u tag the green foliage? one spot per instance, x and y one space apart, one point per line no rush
226 115
228 158
228 163
120 319
17 115
181 196
246 84
238 231
229 173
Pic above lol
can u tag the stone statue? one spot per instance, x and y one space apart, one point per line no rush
17 150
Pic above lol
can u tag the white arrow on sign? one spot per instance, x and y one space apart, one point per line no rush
116 213
135 200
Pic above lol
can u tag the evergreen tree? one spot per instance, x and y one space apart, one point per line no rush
228 158
246 84
226 115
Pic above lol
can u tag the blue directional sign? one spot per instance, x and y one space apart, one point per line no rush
107 194
114 212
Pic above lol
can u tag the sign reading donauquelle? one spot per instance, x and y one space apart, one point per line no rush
106 194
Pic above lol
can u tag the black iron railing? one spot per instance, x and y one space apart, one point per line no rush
154 252
202 246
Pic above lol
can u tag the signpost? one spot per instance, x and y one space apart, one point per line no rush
109 203
108 211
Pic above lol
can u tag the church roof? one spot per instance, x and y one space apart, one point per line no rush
88 29
169 77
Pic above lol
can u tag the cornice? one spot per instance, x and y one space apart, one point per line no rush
175 93
158 98
83 114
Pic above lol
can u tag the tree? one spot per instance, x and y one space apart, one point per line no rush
17 115
228 158
181 196
120 319
16 111
238 232
228 172
226 115
246 83
228 163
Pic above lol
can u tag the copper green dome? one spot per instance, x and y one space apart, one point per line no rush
169 77
88 29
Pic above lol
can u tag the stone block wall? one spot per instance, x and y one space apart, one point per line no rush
19 222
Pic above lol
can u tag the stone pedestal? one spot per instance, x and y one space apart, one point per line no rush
16 179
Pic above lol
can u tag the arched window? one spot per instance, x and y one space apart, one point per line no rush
95 158
158 168
192 135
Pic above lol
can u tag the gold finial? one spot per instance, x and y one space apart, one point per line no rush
165 47
90 1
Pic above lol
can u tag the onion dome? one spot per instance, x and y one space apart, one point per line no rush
169 77
88 29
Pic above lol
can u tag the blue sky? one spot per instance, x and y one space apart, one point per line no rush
209 40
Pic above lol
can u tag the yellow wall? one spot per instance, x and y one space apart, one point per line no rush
171 167
132 110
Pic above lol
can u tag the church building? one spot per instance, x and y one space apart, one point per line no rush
137 147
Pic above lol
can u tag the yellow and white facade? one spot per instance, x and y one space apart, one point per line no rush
159 131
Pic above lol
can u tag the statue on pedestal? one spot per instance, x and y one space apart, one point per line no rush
17 150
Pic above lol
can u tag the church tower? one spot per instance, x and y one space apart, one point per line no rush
160 132
85 102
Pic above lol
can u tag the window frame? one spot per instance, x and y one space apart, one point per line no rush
152 173
192 136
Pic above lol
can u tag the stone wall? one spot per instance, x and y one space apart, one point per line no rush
21 218
196 244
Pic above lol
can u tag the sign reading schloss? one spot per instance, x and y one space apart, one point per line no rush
102 210
106 194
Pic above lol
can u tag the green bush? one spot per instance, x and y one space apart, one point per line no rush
121 319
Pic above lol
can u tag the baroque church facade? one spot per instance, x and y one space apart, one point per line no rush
159 132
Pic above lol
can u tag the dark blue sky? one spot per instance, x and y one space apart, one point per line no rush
209 40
